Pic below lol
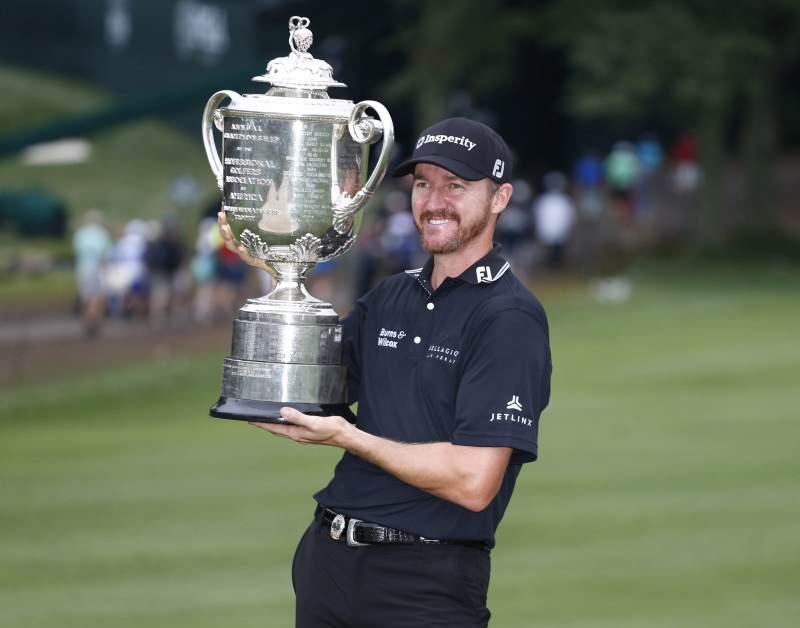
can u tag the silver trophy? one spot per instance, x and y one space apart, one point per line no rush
294 177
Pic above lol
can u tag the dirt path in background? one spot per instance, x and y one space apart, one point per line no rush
41 342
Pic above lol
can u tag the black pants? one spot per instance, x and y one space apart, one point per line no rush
382 586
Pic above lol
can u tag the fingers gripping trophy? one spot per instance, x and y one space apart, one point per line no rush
294 179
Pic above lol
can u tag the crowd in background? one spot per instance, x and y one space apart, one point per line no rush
635 192
154 271
149 273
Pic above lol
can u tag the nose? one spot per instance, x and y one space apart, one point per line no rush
433 198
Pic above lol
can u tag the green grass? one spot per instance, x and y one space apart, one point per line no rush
44 288
667 492
36 98
125 505
130 169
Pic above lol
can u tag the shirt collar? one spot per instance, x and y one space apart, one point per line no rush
488 269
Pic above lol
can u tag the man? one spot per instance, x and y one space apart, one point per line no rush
91 245
450 366
554 216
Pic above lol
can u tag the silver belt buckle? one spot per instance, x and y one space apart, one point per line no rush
351 539
337 527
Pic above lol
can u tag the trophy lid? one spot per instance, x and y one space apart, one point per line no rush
300 70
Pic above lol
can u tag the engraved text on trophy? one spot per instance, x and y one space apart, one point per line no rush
281 177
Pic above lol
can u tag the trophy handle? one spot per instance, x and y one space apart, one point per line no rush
365 130
208 131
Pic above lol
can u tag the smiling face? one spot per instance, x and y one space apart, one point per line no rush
453 214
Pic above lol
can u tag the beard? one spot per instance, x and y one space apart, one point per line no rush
464 234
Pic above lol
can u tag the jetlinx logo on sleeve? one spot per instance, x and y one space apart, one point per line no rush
513 404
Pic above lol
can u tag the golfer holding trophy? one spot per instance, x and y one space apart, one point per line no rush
294 177
450 362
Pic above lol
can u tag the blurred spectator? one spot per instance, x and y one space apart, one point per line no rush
164 256
650 155
589 178
368 253
321 282
622 173
231 277
686 175
400 239
203 267
126 272
554 215
514 231
91 244
266 282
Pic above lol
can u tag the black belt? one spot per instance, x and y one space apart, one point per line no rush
358 533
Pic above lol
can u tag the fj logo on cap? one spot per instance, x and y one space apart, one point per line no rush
499 168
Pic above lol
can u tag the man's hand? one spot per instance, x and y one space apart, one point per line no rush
306 429
231 245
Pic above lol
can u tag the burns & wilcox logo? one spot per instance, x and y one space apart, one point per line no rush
390 338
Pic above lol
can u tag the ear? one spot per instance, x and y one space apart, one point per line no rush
501 198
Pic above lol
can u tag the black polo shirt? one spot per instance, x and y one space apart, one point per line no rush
468 363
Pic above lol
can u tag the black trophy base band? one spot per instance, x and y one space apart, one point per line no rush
270 411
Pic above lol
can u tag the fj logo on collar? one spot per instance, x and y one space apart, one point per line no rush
484 274
337 526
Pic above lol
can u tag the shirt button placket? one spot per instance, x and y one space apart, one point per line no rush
430 307
425 323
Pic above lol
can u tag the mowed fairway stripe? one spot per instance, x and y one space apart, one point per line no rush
667 492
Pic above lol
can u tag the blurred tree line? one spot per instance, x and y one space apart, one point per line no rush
720 69
543 72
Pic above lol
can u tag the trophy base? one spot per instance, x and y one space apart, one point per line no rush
269 411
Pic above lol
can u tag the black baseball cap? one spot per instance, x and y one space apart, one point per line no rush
466 148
